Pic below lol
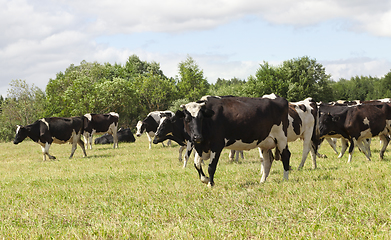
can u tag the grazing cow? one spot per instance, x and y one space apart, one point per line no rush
237 123
172 128
58 130
100 123
356 123
124 135
150 124
303 118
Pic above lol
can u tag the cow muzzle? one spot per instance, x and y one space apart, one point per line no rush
197 139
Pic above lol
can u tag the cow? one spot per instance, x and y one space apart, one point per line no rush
100 123
356 123
173 128
303 119
50 130
124 135
150 124
237 123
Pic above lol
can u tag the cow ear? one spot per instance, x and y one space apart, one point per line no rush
208 113
180 114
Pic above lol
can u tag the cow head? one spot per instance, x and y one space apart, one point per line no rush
194 114
327 123
21 134
140 128
164 130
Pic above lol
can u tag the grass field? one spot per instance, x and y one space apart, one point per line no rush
136 193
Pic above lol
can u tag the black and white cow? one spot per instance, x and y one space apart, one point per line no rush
150 124
237 123
124 135
172 128
356 123
100 123
58 130
303 119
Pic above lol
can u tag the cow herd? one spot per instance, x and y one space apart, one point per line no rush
215 123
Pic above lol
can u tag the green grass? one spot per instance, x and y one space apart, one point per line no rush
136 193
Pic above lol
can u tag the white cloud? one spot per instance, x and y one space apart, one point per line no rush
347 68
41 38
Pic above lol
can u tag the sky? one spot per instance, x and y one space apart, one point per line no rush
226 38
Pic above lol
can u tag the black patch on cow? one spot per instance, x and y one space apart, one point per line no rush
297 123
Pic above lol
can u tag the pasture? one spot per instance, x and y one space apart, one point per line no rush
136 193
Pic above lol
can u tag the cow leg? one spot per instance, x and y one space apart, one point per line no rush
81 144
345 145
169 142
364 149
351 149
306 150
74 146
384 140
90 141
115 138
313 156
189 148
231 155
214 159
266 164
332 142
241 154
180 153
197 165
150 141
45 151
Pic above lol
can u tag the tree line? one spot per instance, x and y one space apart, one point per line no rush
139 87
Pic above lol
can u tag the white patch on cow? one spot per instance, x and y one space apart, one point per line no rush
239 145
138 127
193 108
276 132
114 114
18 128
205 98
270 96
44 121
366 121
88 116
71 139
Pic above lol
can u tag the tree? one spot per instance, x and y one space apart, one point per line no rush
191 83
268 79
295 80
154 92
23 105
224 87
306 78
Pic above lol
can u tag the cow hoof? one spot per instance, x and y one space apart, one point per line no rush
210 185
204 179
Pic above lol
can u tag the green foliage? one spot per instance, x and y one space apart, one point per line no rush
154 92
224 87
191 83
295 80
306 78
23 105
138 87
268 79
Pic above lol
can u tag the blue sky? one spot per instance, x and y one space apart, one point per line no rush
226 38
